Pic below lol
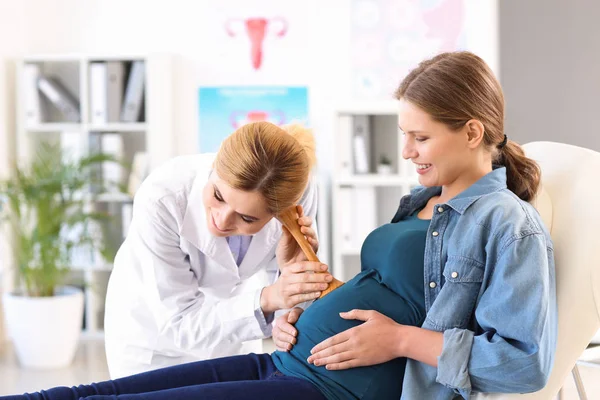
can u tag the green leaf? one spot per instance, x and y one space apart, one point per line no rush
40 204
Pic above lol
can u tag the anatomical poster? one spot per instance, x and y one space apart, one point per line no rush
390 37
224 109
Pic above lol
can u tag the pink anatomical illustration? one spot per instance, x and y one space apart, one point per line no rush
239 118
395 35
257 29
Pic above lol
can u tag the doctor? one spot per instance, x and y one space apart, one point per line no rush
197 275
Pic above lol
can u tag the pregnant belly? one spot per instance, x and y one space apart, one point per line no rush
366 292
322 320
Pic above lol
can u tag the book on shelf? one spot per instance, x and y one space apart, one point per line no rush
126 216
72 146
344 210
344 145
112 172
60 97
361 144
364 213
34 108
72 149
98 93
357 212
140 168
106 91
134 93
115 75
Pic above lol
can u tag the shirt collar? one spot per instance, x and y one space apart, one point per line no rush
492 182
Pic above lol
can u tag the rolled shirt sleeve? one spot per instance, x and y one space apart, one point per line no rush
517 316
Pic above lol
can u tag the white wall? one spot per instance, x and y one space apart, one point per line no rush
315 53
319 57
11 46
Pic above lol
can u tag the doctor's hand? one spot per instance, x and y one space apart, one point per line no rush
296 284
284 333
375 341
288 249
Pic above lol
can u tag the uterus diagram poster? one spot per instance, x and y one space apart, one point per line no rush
222 110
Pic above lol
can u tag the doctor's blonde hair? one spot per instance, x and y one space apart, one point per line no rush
274 161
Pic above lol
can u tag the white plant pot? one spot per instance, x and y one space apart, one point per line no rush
45 330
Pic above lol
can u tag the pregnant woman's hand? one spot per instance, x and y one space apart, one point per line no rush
373 342
284 333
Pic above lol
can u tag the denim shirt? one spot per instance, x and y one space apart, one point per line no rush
490 288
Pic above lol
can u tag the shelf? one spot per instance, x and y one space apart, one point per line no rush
381 107
350 252
96 335
373 180
114 198
45 58
85 137
119 127
55 127
101 267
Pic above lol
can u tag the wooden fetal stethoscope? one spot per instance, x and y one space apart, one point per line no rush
289 218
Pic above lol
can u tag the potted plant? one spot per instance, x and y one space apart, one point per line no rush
385 165
41 204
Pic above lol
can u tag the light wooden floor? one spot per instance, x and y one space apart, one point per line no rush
90 366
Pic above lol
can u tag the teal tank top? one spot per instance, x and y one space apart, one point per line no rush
390 282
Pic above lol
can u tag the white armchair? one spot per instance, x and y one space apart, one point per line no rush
569 203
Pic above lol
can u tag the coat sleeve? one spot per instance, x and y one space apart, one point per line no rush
185 317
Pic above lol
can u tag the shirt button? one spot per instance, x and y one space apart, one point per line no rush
432 285
435 233
440 209
454 274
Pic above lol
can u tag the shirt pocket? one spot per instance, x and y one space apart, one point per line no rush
458 296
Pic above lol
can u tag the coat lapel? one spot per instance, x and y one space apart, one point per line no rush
262 244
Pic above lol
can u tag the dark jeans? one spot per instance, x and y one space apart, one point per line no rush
241 377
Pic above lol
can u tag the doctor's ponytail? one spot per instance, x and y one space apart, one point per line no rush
274 161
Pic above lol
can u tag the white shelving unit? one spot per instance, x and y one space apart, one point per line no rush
362 198
152 134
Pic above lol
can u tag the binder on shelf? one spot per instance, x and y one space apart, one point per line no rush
60 98
112 172
345 216
115 73
361 144
72 147
96 233
364 215
96 170
98 93
344 145
361 161
134 93
126 216
140 168
33 106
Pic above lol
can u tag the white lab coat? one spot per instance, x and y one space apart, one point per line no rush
176 294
